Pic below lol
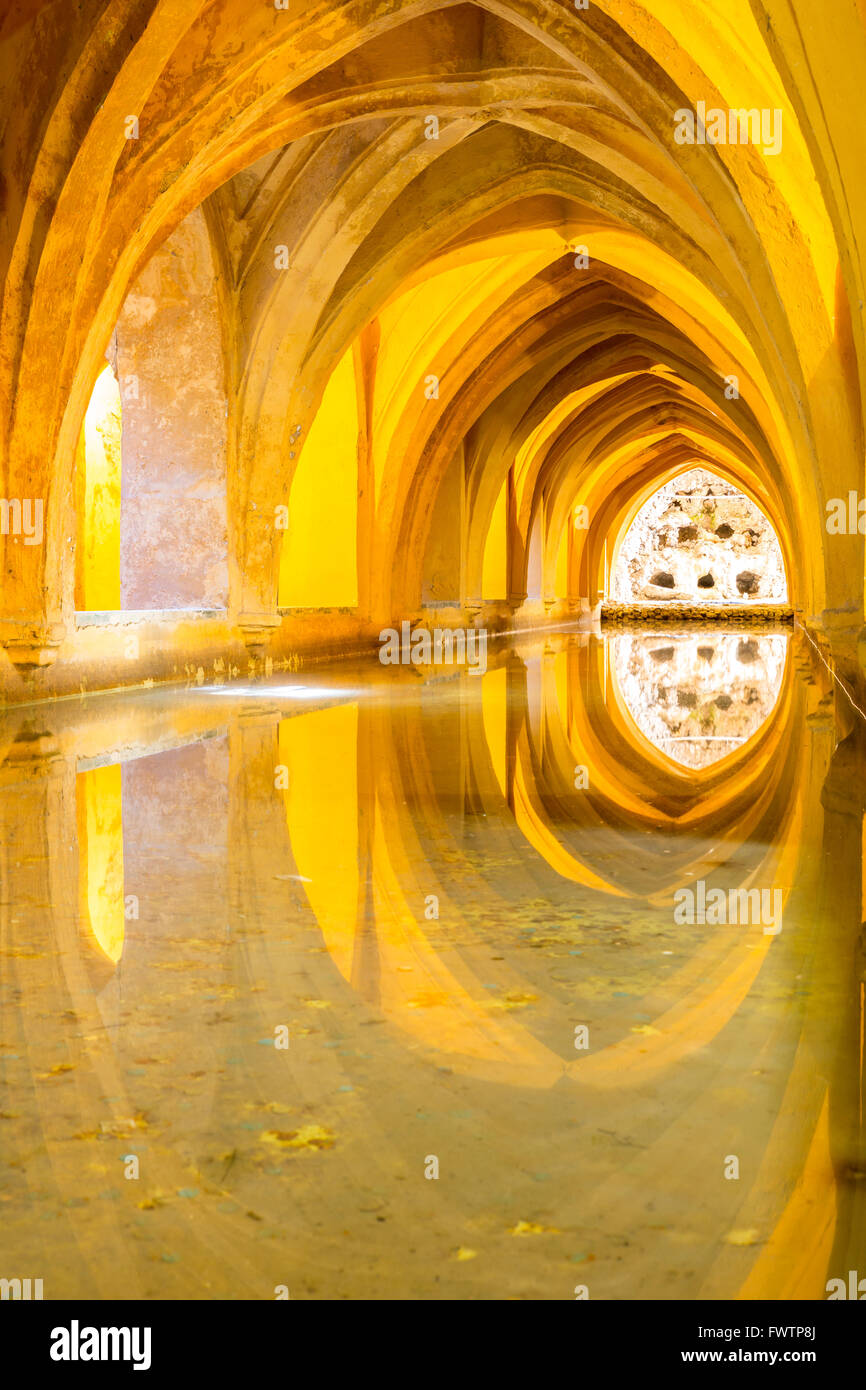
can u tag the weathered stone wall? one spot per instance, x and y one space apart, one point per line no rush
699 538
173 529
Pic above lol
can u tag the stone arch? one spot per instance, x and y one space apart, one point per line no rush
678 527
548 124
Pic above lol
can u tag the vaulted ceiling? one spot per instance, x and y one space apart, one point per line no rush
434 173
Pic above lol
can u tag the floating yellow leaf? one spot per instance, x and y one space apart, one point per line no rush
428 999
308 1137
531 1228
514 999
647 1029
463 1253
746 1237
122 1129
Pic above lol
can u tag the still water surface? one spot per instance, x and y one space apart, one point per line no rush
373 978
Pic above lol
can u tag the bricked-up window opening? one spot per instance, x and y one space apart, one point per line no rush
699 539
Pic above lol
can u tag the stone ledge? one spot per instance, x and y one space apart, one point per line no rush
674 612
117 617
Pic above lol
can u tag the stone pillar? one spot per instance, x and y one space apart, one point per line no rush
169 356
444 560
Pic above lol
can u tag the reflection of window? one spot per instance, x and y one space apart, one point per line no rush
699 539
100 857
97 554
698 698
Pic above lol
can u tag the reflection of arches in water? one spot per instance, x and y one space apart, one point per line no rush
380 799
512 755
368 877
630 778
699 697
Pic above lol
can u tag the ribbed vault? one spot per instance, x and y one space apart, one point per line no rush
491 195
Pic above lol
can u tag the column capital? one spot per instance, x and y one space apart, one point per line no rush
257 629
31 643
